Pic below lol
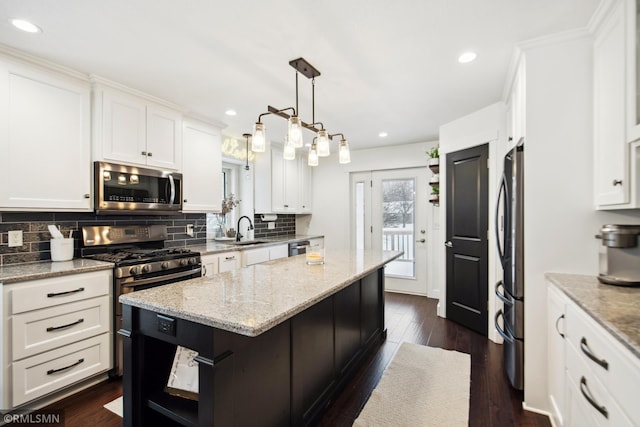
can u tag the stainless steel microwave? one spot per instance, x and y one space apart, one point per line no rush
130 190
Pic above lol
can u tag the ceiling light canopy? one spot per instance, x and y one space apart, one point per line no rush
467 57
383 134
320 147
25 25
230 112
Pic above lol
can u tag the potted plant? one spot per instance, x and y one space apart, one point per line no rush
434 197
434 159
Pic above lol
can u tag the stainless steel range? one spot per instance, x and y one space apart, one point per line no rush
141 262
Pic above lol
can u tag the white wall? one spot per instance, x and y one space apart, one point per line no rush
332 199
487 125
560 220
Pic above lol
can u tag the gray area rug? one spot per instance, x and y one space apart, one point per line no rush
422 386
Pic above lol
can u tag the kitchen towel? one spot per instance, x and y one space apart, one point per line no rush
422 386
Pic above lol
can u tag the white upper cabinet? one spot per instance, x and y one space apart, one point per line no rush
616 128
282 186
130 128
516 106
633 71
202 167
44 139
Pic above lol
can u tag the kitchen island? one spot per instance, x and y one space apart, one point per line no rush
275 341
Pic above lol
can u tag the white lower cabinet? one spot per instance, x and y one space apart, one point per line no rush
57 332
258 255
221 262
599 385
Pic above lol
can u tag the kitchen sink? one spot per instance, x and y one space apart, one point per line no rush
246 242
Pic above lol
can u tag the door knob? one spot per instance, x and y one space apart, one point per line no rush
448 244
421 241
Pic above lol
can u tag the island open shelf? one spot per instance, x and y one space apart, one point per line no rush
284 375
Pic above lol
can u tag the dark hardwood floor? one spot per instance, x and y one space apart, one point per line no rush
408 318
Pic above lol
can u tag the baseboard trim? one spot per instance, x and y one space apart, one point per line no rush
538 411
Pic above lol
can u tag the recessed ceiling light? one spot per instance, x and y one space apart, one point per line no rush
25 26
467 57
230 112
382 134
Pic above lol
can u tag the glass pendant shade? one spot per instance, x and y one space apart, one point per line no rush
295 131
313 156
258 141
323 143
289 152
344 155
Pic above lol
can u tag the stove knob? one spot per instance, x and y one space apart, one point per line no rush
192 261
133 271
164 265
183 262
145 269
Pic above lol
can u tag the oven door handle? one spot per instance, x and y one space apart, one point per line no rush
141 282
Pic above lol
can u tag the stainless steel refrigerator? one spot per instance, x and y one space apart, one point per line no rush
510 243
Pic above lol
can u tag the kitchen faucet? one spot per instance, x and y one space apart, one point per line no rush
238 235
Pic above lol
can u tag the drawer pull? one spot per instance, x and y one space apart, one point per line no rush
53 371
55 328
586 350
558 321
57 294
584 389
230 258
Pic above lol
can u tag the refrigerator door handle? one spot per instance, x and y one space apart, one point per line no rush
507 337
501 295
501 190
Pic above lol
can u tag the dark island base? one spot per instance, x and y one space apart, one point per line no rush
284 377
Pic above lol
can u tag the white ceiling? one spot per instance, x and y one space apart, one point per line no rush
386 65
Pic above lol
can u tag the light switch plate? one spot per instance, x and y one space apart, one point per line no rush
271 225
15 238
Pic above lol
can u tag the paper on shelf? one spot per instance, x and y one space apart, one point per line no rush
183 378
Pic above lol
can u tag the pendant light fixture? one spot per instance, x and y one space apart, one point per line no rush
312 160
320 146
246 138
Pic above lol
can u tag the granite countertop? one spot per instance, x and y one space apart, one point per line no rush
40 270
252 300
616 308
218 246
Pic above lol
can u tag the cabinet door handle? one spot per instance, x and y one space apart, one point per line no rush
144 153
87 196
421 241
53 371
617 182
185 201
57 294
584 389
204 270
55 328
229 258
448 244
587 351
286 206
558 330
149 154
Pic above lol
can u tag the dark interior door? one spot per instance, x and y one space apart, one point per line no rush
467 226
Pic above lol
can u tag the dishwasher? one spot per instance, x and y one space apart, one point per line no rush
298 248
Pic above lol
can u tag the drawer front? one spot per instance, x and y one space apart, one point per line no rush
47 372
41 330
255 256
622 374
588 338
48 292
229 261
277 252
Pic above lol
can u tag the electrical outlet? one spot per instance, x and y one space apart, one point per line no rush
271 225
190 230
15 238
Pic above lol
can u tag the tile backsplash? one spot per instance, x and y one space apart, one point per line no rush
36 237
